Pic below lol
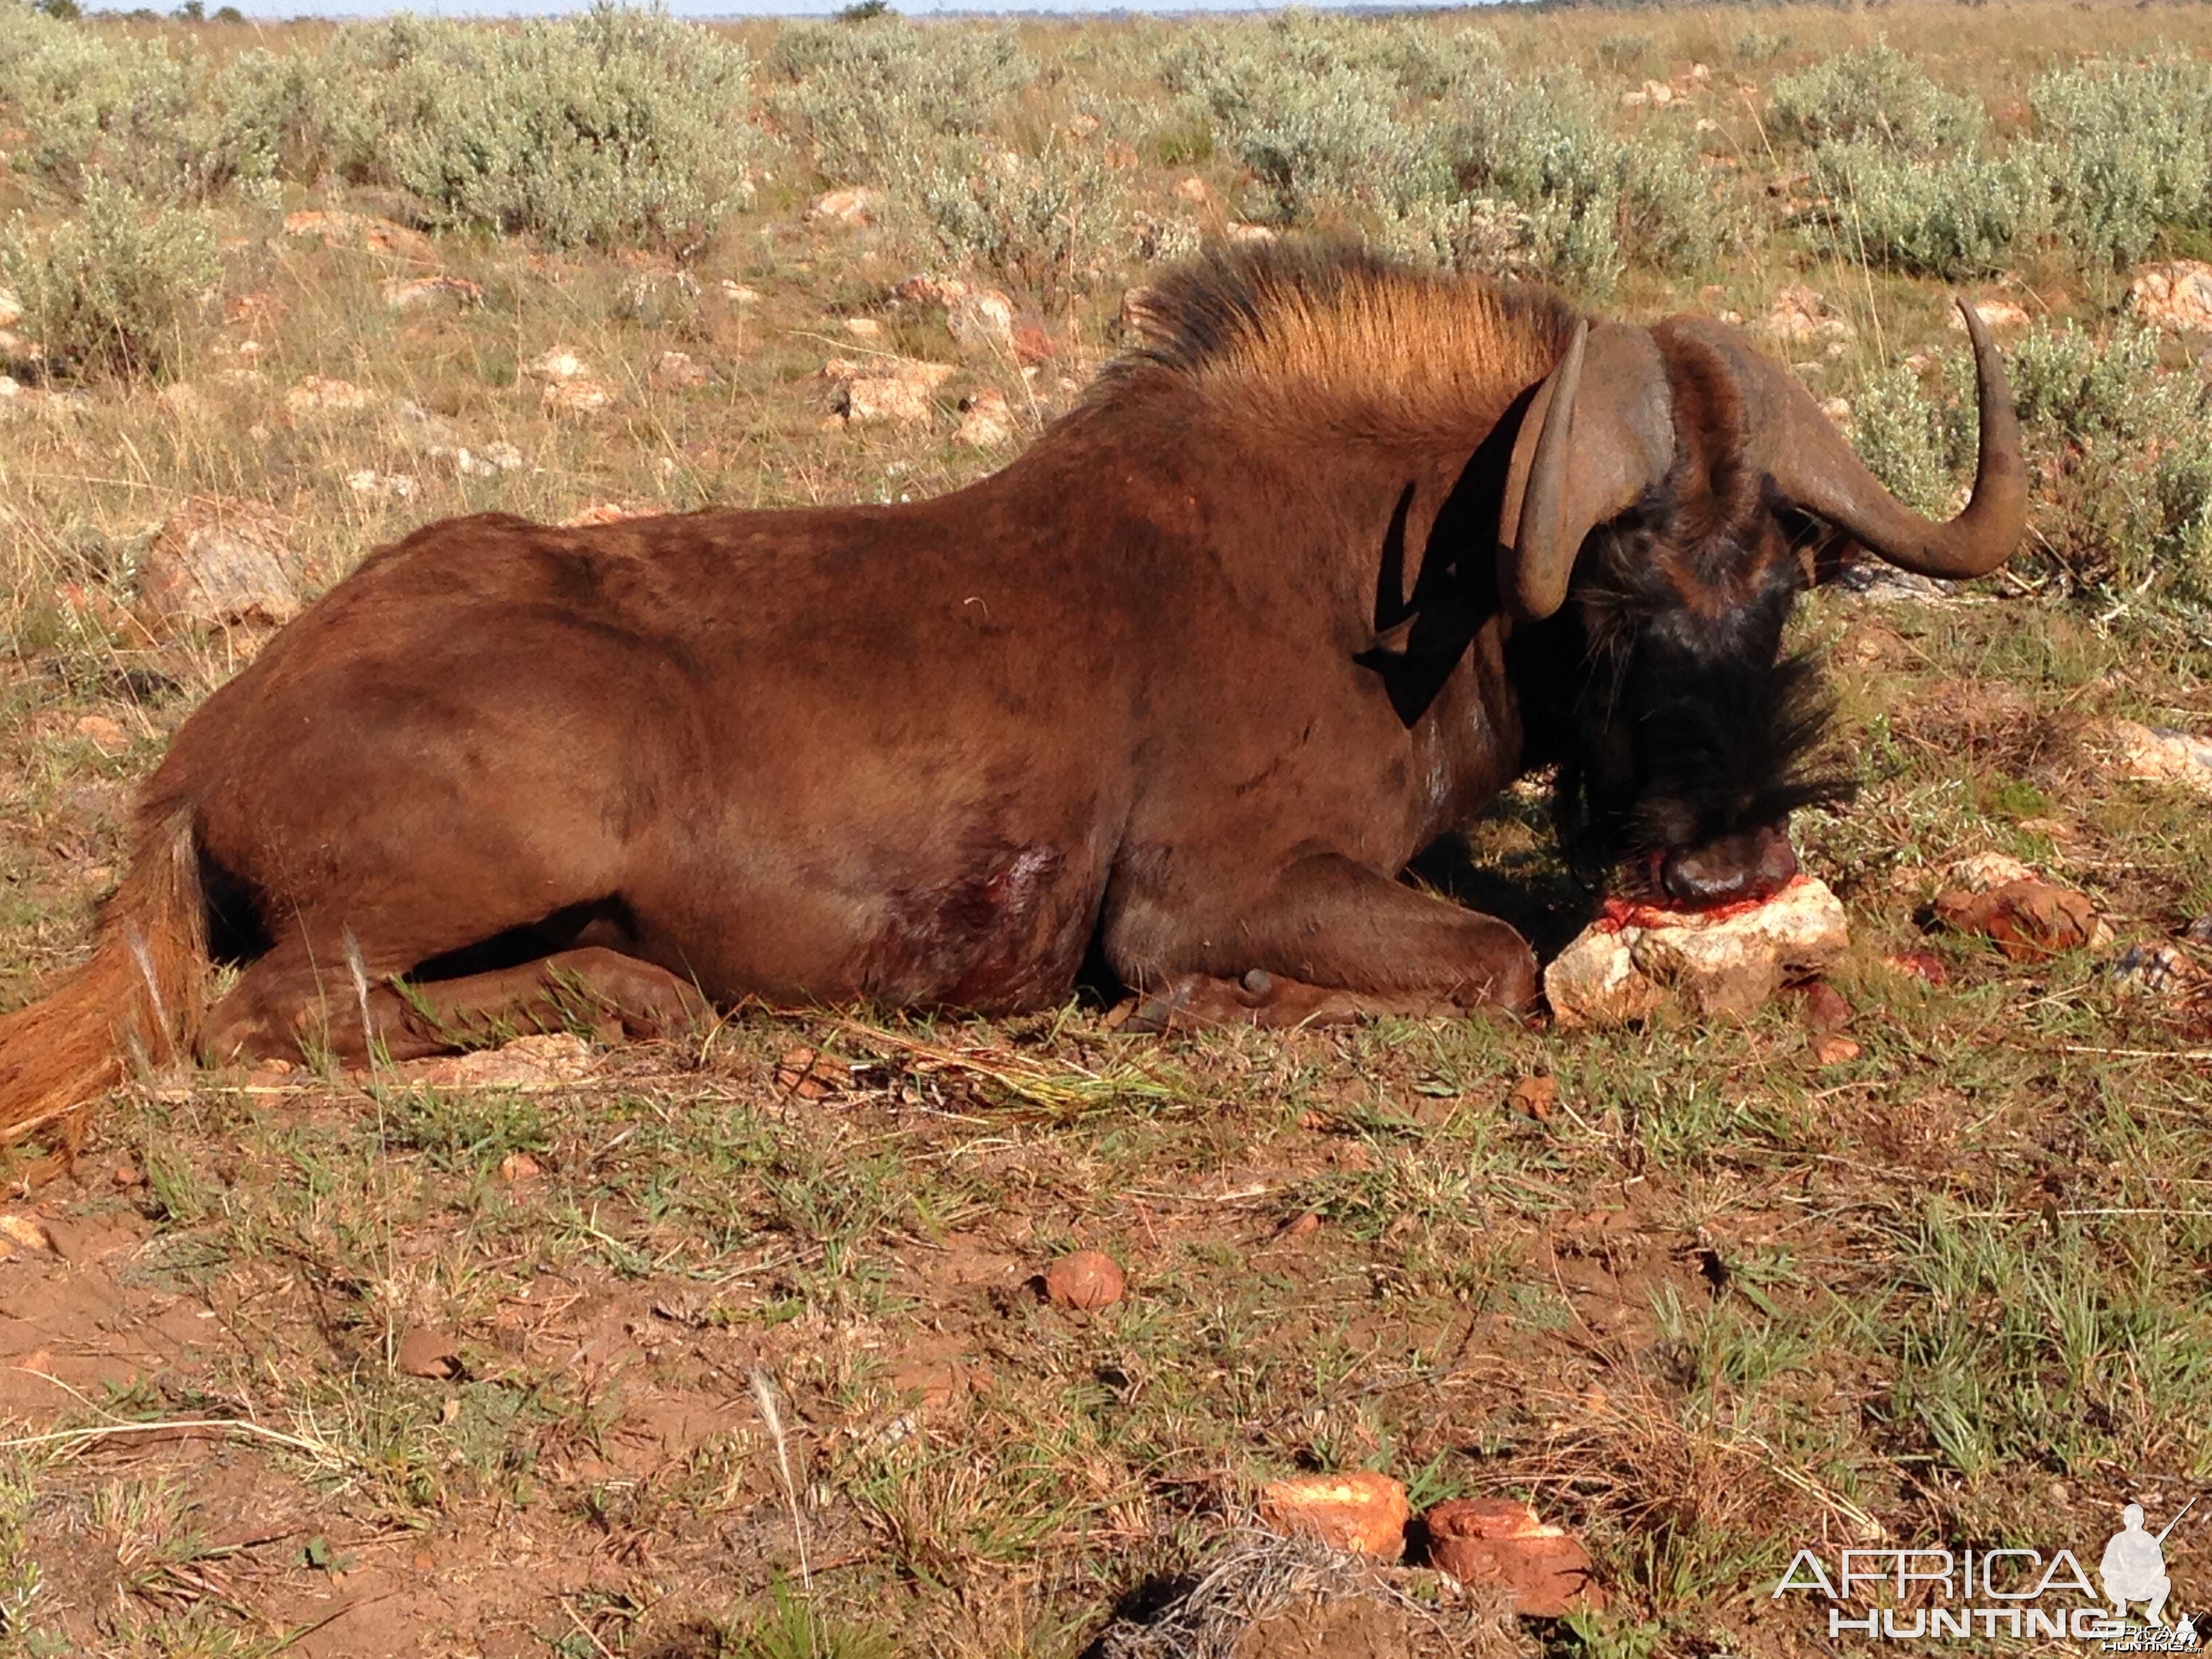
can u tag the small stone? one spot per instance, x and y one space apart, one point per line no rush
216 562
1498 1542
557 363
1362 1513
1088 1280
982 321
2029 919
598 513
319 394
986 422
421 292
1192 188
1825 1009
1922 965
371 482
422 1560
125 1174
1658 94
582 396
884 400
431 1353
1999 316
1834 1050
2159 970
2176 297
2161 754
1304 1227
546 1060
864 328
676 371
26 1231
104 733
810 1074
517 1168
1032 344
1241 233
855 205
1535 1097
1837 409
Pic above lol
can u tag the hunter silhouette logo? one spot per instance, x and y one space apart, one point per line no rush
2134 1567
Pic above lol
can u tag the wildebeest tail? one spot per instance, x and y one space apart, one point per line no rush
139 994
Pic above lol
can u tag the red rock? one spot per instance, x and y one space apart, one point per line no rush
1487 1540
2029 919
1364 1513
1088 1279
1032 343
425 1352
1924 965
810 1074
1834 1050
1535 1097
1825 1009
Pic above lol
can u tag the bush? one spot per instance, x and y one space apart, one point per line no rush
114 290
876 100
2129 153
1042 223
614 128
2122 448
1952 217
1878 96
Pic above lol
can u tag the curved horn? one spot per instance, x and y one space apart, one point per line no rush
1812 465
1598 433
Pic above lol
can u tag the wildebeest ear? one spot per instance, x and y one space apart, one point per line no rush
1599 432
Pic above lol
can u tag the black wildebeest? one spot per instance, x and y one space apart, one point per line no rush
1339 552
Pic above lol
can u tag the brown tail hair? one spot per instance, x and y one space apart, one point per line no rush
140 993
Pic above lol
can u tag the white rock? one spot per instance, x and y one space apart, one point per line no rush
738 294
864 328
677 371
855 205
319 394
2162 754
884 400
10 386
216 562
986 422
557 363
2001 316
2176 296
582 395
1726 961
1658 94
368 482
982 321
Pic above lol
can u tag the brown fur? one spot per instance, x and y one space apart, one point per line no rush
1122 696
141 991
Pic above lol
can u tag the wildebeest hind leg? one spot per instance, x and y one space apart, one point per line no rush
288 1008
1326 940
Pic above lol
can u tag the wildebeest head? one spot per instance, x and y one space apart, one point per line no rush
1700 471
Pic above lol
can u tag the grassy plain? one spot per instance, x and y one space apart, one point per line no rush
1722 1303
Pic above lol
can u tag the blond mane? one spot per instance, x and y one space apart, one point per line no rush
1334 342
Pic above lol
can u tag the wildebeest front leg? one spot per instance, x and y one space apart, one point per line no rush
1328 940
285 1009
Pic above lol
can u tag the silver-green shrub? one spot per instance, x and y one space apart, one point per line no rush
1949 217
1044 222
115 289
877 101
612 128
2129 152
1874 95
